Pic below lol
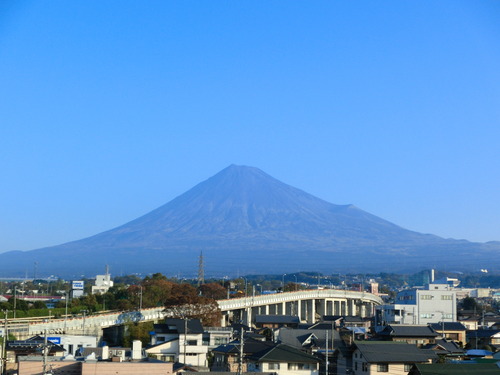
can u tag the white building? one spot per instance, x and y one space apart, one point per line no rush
72 343
433 304
102 283
185 341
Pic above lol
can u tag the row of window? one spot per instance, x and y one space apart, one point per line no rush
444 297
429 316
381 367
292 366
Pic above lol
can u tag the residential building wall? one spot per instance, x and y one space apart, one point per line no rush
360 366
284 368
126 368
188 349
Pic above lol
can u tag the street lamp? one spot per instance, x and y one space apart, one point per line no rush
259 285
66 313
246 282
283 282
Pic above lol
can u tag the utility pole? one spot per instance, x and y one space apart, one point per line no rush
242 343
326 352
45 347
185 338
3 360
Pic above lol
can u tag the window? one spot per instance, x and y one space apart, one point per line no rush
365 366
273 366
425 296
408 367
447 297
355 366
192 342
220 340
426 316
297 366
382 367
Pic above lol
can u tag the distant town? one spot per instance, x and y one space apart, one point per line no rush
307 323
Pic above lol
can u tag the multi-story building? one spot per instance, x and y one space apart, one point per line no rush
433 304
185 341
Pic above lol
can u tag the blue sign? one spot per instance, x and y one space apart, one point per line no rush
55 340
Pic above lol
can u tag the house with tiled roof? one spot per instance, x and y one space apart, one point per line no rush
411 334
396 358
309 340
481 337
451 331
276 321
455 369
283 360
446 349
227 357
179 340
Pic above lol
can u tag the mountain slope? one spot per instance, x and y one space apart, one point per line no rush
245 220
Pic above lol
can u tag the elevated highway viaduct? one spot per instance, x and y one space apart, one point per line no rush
308 305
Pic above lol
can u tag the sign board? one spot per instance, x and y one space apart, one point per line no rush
54 340
77 285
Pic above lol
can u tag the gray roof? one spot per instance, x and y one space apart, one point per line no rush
300 338
408 331
448 326
458 369
445 347
390 352
283 353
482 333
173 325
250 346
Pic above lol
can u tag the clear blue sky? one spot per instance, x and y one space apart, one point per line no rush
110 109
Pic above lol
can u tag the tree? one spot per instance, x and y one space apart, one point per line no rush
213 290
469 303
205 309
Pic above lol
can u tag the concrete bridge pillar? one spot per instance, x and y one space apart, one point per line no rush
336 308
352 307
320 307
310 311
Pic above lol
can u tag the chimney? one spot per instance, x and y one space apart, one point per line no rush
136 349
105 353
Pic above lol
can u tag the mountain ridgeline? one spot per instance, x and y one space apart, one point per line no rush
245 221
